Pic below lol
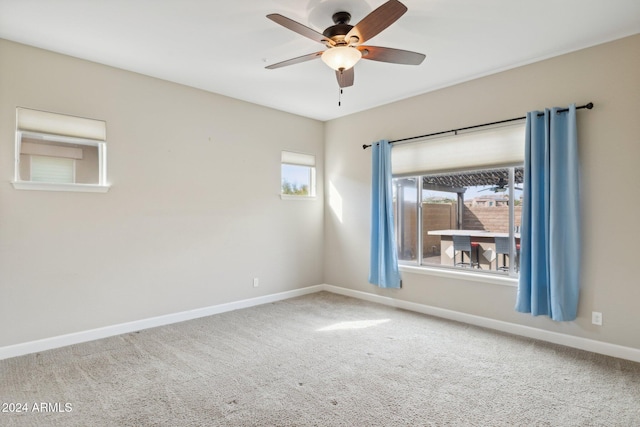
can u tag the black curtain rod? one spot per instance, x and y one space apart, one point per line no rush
588 106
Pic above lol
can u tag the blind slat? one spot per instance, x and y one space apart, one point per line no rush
52 169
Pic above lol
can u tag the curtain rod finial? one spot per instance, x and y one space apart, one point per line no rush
365 146
589 106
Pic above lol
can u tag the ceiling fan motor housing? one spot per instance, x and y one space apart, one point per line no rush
340 29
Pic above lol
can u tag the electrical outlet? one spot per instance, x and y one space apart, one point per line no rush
256 282
596 318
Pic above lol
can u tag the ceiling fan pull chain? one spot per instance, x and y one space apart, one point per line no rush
340 97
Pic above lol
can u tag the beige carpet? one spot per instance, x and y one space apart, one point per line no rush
319 360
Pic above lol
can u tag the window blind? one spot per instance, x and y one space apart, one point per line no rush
488 148
291 158
59 124
52 169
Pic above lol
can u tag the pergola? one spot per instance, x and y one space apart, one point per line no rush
457 182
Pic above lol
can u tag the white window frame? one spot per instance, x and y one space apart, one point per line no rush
40 122
459 152
418 262
293 158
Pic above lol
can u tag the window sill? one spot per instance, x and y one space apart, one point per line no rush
461 275
46 186
292 197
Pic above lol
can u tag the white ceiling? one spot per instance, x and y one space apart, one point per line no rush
223 46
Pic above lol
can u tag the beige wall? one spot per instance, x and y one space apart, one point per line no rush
194 212
193 215
609 149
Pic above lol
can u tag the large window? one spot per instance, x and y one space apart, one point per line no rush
460 206
59 152
298 175
435 212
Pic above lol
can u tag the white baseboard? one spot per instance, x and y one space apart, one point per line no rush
124 328
593 346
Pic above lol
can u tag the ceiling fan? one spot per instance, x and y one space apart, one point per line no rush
344 41
500 187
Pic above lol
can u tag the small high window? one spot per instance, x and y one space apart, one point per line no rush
59 152
298 175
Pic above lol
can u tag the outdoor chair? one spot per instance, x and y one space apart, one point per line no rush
502 248
464 244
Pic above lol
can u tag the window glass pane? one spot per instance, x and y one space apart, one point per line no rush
405 206
84 160
439 212
474 204
296 180
298 174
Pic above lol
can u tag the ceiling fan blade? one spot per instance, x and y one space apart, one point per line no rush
300 29
345 77
376 21
297 60
387 54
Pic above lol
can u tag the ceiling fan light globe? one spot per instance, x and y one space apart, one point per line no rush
341 57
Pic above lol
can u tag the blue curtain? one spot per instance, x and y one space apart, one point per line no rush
384 270
550 229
